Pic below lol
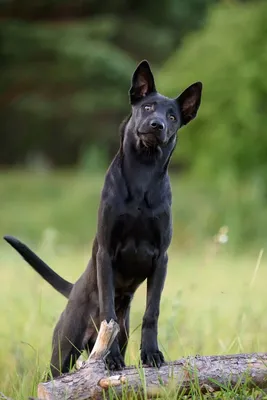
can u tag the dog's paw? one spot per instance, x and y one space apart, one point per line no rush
152 358
114 361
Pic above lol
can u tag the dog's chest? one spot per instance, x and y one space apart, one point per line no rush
135 228
135 243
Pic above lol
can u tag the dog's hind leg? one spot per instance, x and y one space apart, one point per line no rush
71 333
67 343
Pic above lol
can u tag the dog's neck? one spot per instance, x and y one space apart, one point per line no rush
143 170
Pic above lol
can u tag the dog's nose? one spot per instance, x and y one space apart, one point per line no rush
157 125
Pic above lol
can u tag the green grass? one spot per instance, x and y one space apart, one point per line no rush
213 302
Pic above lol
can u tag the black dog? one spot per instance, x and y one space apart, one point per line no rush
133 234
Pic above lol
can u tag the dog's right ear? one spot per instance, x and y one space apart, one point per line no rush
142 82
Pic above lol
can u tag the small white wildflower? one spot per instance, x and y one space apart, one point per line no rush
222 235
223 238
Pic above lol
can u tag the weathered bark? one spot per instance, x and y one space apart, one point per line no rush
208 373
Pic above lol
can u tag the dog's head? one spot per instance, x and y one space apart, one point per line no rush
156 119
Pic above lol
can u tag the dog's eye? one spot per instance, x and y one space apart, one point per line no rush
148 107
172 117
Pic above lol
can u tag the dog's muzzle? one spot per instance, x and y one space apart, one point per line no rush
152 139
154 133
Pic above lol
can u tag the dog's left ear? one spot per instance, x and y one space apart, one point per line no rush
142 82
189 102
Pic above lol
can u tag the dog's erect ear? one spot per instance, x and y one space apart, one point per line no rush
142 82
189 102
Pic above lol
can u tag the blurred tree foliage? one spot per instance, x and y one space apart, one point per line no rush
228 140
66 68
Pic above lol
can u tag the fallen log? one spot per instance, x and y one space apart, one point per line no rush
207 373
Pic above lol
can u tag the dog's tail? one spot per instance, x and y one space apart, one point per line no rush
61 285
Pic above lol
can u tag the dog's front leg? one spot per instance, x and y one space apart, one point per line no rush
106 294
150 353
105 286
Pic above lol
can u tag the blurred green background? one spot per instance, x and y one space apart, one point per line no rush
65 73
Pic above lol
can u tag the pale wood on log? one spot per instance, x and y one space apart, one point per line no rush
209 373
3 397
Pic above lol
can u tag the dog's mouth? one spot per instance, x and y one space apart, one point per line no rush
149 140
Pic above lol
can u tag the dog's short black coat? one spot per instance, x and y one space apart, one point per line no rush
133 233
